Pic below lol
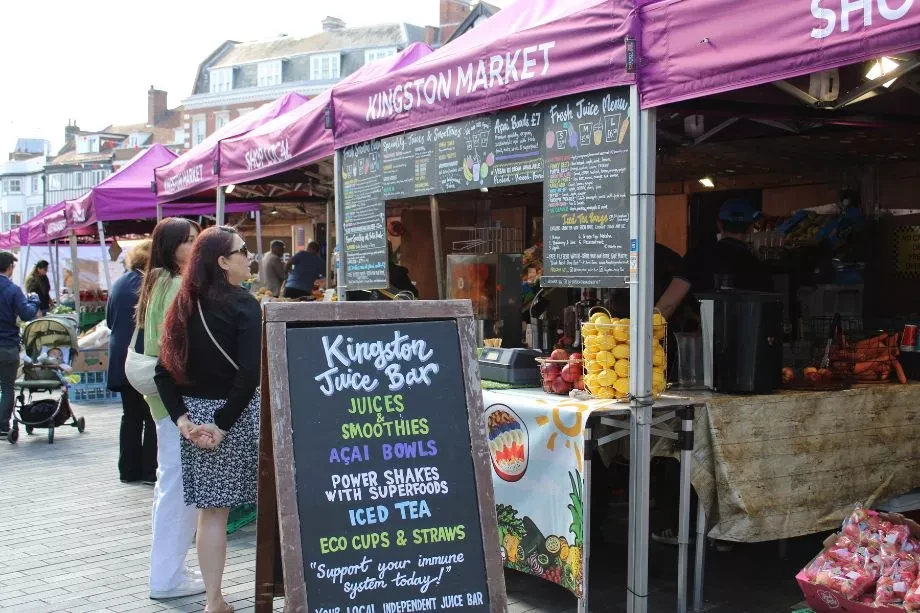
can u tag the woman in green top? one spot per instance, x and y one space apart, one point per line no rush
173 521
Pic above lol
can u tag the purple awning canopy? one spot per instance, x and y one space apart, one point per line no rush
697 48
194 171
527 52
301 136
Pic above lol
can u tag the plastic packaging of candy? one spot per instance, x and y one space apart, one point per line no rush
912 599
899 573
851 581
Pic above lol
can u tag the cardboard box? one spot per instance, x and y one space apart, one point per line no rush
91 360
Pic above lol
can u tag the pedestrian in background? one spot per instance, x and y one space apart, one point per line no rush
271 271
173 521
208 377
137 440
38 283
304 270
13 304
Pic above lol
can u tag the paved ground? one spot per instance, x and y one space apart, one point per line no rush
73 538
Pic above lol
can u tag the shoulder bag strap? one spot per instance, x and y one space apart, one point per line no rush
214 340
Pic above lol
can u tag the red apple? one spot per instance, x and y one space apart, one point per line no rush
550 371
575 357
561 386
559 354
580 384
825 374
548 386
788 375
811 373
571 372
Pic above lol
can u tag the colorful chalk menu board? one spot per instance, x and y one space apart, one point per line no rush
385 486
366 259
586 191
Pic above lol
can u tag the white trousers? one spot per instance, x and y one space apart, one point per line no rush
174 521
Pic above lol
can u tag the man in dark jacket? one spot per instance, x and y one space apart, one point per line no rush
13 304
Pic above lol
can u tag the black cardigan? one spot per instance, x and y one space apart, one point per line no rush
236 323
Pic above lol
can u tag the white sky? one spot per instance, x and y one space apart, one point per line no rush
93 60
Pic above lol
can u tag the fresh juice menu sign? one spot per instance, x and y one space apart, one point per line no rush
386 493
586 191
366 257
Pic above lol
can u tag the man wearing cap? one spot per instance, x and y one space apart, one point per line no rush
13 304
728 263
271 270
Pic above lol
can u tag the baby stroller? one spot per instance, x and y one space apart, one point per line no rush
50 345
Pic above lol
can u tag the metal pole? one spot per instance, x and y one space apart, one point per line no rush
330 218
221 205
24 268
75 273
700 566
436 240
685 442
341 284
52 249
586 521
159 212
259 237
105 258
641 301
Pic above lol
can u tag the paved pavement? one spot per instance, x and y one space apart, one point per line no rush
73 538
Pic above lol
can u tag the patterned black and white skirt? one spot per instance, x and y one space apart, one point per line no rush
224 477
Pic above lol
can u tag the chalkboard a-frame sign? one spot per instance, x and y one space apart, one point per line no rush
375 492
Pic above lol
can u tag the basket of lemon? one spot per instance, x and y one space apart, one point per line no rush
606 355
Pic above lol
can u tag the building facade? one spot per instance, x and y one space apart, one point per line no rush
21 189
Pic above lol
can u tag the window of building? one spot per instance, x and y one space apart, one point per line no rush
15 220
221 119
199 129
32 211
54 181
269 73
36 184
324 67
221 80
77 179
15 186
98 176
179 136
371 55
137 140
87 143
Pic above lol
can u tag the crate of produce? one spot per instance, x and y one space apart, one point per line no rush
92 388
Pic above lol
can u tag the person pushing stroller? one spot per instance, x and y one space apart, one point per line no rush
13 304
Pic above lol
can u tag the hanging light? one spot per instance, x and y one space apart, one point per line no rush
229 189
707 182
274 211
882 67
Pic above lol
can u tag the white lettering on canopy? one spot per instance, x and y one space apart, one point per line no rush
848 12
186 178
268 155
495 71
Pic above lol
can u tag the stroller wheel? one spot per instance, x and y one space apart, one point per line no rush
51 435
29 429
81 424
13 436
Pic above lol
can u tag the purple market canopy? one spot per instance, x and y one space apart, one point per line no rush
195 171
301 136
527 52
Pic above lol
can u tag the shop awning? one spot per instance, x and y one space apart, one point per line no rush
195 171
697 48
527 52
300 136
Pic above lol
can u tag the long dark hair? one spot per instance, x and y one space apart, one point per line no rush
203 280
168 235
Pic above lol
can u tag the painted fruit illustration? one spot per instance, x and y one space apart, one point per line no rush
550 139
484 171
573 137
508 442
490 159
475 171
468 169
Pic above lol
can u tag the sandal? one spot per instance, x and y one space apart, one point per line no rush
226 609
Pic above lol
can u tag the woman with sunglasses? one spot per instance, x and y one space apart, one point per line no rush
208 378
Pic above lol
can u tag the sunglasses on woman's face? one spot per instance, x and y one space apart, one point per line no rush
243 250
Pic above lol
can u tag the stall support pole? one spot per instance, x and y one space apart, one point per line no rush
105 258
330 218
641 267
75 273
259 252
590 444
700 566
221 205
52 265
436 241
340 282
685 443
24 268
159 212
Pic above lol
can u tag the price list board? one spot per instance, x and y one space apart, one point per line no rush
364 224
586 191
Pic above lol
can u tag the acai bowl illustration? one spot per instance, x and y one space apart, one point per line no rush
508 442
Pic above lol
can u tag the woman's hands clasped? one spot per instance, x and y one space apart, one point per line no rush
206 436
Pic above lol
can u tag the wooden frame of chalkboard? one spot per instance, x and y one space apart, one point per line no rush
279 524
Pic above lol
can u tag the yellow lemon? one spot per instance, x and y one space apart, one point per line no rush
606 378
658 319
593 366
592 343
658 332
599 318
588 356
606 342
622 387
621 352
621 368
604 393
658 378
588 329
657 356
591 382
605 358
621 332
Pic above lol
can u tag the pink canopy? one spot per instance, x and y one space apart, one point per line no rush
9 240
696 48
32 232
299 137
195 170
527 52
